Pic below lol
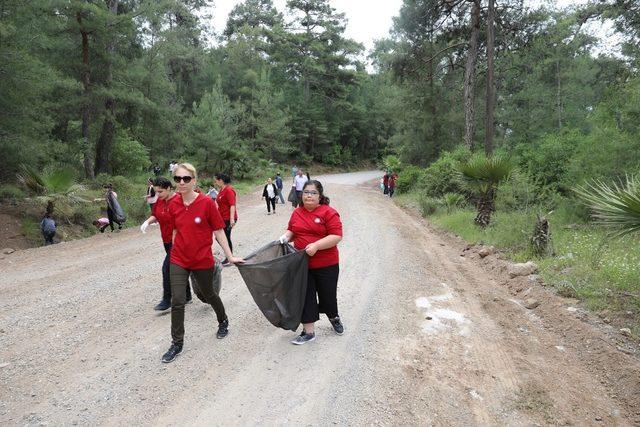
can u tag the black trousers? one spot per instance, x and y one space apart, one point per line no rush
322 282
48 237
391 191
270 203
166 278
227 232
179 285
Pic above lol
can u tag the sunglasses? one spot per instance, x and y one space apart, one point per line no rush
310 193
185 179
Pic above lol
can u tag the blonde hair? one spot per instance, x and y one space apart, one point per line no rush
189 167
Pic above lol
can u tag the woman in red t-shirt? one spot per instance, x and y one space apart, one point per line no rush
160 214
315 227
194 219
227 205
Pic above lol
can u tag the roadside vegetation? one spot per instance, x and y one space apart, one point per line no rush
592 247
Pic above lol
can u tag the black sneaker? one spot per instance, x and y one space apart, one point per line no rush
223 329
303 338
172 353
337 325
163 305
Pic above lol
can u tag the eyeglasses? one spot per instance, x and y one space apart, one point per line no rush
185 179
310 193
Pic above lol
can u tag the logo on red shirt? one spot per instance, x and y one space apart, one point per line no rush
197 220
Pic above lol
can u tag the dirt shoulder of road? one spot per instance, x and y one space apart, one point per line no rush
609 354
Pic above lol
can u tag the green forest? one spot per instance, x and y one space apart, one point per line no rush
498 117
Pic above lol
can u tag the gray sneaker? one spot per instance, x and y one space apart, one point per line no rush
337 325
303 338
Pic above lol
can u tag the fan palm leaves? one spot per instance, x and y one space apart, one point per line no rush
614 205
484 173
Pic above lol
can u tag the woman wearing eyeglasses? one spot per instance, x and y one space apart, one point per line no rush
160 214
194 219
316 228
227 204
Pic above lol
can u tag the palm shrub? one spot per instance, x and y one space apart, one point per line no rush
483 174
452 201
616 206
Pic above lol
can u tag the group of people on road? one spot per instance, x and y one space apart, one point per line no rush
189 220
388 184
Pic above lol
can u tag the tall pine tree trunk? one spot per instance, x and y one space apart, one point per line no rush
86 84
470 77
490 101
105 142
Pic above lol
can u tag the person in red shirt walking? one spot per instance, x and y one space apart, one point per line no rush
194 219
315 227
160 214
393 178
227 205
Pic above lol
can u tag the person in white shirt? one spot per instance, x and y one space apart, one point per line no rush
270 193
299 181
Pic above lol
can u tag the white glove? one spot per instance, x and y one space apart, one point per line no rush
283 239
144 226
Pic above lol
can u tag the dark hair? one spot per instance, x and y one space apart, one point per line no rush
224 177
162 182
324 200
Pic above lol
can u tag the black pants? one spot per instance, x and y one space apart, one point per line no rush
270 203
227 232
48 237
391 190
323 282
166 278
112 218
179 285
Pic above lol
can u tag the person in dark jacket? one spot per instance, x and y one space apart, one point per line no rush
114 211
48 227
279 187
269 194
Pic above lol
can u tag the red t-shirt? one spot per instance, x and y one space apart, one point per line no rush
308 227
161 211
194 225
227 198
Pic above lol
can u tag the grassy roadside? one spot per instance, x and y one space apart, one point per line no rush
603 273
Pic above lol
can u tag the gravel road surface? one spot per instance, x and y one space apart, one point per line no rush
434 336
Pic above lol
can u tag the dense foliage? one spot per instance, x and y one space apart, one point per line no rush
113 86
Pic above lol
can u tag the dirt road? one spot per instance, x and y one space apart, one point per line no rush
434 336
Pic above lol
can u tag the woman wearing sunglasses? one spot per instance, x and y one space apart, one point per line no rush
315 227
160 214
194 219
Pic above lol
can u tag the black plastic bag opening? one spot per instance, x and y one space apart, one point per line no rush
276 276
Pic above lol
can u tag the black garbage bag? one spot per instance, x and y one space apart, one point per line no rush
118 212
293 196
217 282
276 276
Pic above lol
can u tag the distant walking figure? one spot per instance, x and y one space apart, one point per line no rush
48 228
269 195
